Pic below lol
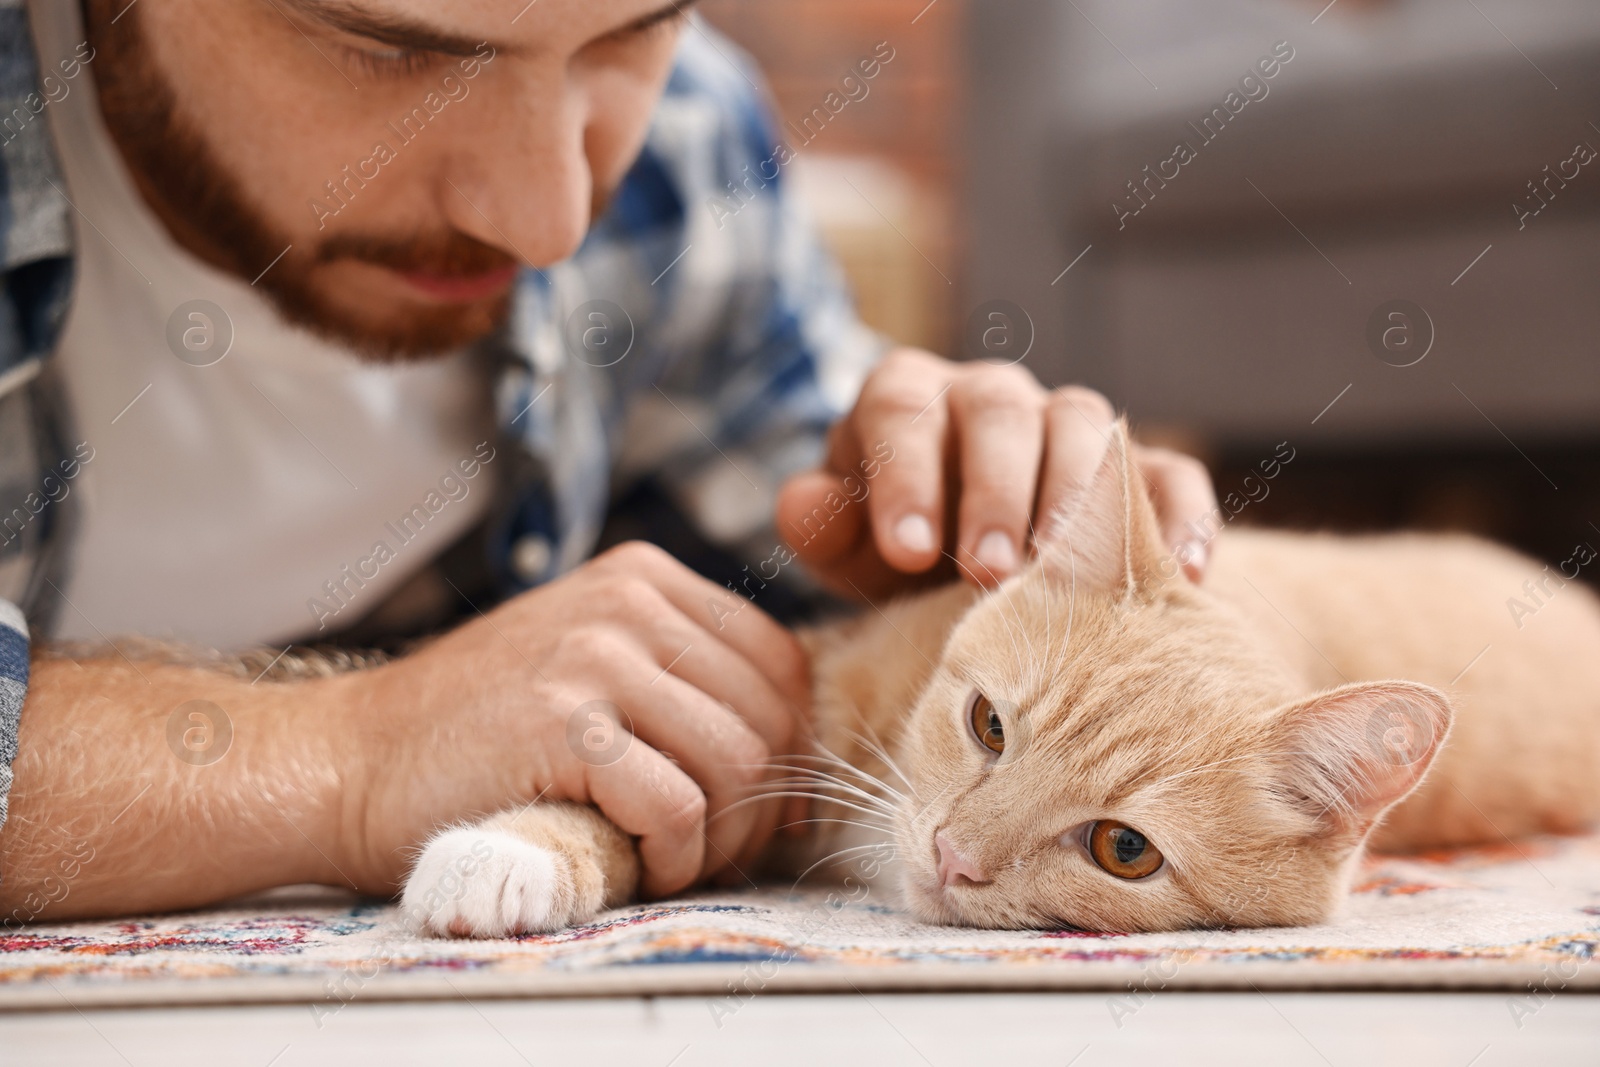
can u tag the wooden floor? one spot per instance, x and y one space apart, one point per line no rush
923 1030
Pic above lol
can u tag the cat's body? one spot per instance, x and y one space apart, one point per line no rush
1525 745
1524 752
1242 732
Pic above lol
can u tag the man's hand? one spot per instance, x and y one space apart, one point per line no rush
982 456
518 704
336 780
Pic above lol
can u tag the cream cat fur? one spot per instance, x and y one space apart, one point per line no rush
1252 734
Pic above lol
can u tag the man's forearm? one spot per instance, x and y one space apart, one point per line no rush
146 787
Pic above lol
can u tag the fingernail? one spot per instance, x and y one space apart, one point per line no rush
1192 555
996 552
915 533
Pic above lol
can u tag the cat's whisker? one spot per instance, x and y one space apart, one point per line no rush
1021 646
735 806
864 777
806 796
1028 665
878 750
1172 757
821 788
1044 580
842 822
805 781
888 817
828 759
826 782
823 756
1192 739
1064 665
872 779
1032 674
841 853
968 571
860 777
1203 767
1014 629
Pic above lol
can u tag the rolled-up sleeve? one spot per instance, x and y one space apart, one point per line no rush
13 687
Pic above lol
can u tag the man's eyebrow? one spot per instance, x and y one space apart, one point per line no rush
417 36
389 29
673 10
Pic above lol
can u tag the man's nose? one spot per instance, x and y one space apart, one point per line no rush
954 867
530 191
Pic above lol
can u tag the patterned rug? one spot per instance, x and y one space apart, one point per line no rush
1523 917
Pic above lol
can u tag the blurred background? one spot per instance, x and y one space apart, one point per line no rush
1369 229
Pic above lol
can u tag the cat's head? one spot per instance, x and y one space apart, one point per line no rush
1102 745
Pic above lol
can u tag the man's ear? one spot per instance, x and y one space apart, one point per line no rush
1105 539
1352 753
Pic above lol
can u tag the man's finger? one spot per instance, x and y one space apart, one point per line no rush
681 650
1185 502
718 749
905 405
818 518
1077 434
724 614
650 799
998 419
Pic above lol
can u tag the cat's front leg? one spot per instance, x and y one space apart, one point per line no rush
533 869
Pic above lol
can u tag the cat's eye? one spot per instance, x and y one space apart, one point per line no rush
986 724
1121 850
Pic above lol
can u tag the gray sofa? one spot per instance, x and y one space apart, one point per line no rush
1239 292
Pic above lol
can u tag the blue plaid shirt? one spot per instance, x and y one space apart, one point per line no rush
700 340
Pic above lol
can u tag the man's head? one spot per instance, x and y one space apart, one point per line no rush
407 153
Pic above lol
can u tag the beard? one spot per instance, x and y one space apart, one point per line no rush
204 208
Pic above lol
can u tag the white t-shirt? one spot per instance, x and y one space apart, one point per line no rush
222 499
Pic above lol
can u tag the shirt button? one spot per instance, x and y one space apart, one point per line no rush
530 557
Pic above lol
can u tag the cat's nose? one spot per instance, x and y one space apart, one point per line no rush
955 868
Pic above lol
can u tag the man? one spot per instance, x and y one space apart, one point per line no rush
348 318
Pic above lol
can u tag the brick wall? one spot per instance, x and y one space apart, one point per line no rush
910 116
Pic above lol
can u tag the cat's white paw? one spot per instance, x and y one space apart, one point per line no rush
487 883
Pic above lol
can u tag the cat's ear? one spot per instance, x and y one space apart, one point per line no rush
1105 539
1352 753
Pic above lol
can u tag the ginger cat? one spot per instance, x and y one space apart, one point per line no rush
1102 744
